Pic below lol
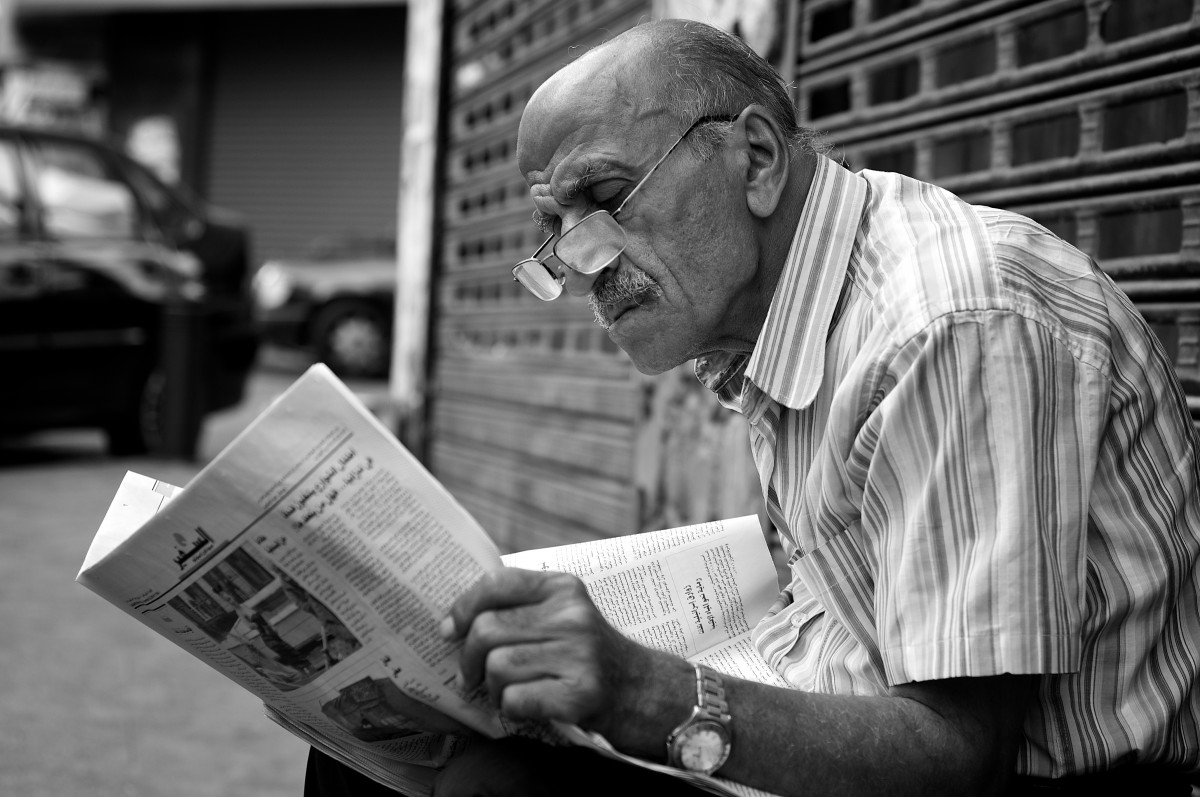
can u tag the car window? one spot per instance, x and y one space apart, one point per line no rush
166 207
80 193
10 191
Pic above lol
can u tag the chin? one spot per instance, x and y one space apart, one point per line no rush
652 345
650 369
650 363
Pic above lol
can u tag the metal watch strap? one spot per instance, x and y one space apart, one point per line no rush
710 694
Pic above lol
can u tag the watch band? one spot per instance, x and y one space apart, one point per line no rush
710 694
701 743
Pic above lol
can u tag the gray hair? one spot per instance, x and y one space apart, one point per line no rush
704 71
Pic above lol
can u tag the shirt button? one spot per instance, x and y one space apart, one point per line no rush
797 619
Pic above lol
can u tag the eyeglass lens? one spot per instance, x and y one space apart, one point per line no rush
587 248
538 279
591 245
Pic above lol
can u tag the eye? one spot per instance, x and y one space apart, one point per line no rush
608 194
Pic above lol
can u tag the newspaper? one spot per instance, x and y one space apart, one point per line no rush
312 560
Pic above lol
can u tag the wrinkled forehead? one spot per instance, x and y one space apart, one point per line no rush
594 110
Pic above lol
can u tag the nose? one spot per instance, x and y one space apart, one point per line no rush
578 284
575 283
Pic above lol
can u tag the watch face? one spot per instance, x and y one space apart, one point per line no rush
703 746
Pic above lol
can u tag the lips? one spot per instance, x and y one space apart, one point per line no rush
614 312
620 292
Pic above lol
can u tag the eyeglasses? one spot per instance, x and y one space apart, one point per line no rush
593 244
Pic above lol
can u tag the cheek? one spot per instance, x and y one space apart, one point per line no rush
708 221
691 272
690 245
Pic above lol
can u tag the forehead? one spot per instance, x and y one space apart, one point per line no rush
589 113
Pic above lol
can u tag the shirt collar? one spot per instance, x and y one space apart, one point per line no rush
788 360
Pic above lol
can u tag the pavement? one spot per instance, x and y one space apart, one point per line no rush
93 703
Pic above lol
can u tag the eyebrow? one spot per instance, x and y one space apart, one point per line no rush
584 180
545 221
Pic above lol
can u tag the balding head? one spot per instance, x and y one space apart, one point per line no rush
601 92
691 70
678 70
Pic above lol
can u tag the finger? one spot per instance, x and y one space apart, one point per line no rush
545 680
498 629
567 613
497 589
575 665
544 699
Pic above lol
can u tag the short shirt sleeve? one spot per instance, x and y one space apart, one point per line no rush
975 499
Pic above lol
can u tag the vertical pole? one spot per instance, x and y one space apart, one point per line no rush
10 46
415 245
10 57
183 364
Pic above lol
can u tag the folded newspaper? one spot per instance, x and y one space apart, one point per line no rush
312 560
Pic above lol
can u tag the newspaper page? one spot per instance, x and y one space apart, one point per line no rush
311 562
695 591
408 767
313 559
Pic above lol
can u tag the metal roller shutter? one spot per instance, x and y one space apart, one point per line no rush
305 136
541 427
1078 113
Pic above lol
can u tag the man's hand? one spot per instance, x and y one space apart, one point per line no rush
544 650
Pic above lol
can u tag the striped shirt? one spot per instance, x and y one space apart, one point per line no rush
980 462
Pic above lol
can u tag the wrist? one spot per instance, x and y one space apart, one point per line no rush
656 692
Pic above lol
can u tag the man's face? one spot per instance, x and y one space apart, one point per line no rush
586 139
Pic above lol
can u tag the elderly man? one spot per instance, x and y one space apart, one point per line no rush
977 456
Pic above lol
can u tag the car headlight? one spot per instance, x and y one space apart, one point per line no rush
271 287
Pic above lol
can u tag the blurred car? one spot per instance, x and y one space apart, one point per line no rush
96 254
337 302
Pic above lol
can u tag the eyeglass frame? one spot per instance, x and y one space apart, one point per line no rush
559 276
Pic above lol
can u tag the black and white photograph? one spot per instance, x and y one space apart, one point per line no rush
258 613
870 328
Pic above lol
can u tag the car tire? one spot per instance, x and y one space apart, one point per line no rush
142 429
353 339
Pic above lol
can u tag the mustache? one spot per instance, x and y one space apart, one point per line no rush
623 286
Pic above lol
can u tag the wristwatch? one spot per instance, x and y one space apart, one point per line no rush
701 743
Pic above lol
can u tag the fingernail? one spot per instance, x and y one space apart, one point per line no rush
458 680
446 629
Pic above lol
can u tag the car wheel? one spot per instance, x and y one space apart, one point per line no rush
141 429
354 339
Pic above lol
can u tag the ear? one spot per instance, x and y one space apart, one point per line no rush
769 159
